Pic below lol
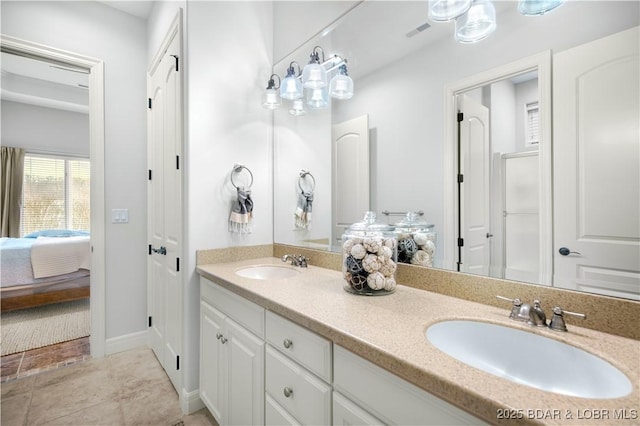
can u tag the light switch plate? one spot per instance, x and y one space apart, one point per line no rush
119 215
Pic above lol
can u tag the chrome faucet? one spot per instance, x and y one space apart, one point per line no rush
532 315
557 321
296 260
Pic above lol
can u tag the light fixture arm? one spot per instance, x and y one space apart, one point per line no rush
292 72
315 57
271 84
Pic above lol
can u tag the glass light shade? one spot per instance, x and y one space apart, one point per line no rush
297 108
538 7
341 86
314 76
477 23
446 10
318 98
291 88
271 99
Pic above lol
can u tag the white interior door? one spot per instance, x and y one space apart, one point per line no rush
597 166
350 165
475 190
165 210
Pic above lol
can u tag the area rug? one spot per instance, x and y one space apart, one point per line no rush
31 328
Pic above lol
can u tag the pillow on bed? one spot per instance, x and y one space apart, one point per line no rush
57 233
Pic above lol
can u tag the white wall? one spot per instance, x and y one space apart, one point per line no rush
229 63
297 21
36 128
119 39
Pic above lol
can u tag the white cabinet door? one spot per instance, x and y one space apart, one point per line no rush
596 150
212 368
245 368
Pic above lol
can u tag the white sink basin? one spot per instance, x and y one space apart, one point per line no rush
267 272
529 359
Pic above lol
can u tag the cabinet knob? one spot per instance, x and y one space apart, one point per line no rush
287 343
223 340
288 392
218 336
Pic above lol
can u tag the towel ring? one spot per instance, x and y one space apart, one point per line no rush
304 174
237 168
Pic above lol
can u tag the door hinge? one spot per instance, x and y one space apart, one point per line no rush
149 174
149 103
178 362
177 264
177 162
460 242
150 321
460 117
150 249
460 178
177 62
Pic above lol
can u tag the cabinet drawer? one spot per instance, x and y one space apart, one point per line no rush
243 311
309 398
304 346
390 398
346 412
276 415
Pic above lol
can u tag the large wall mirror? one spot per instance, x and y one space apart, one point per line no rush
412 78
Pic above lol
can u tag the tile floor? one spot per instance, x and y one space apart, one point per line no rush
35 361
127 388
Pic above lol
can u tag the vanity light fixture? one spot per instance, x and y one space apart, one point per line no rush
477 23
476 19
318 98
446 10
537 7
314 75
310 86
341 86
271 98
291 87
297 108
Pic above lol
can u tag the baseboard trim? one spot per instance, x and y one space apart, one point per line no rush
126 342
190 401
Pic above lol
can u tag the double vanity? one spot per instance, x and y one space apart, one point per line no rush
287 345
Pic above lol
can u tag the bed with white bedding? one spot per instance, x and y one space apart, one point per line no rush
49 267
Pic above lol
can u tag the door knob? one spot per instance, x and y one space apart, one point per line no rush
162 250
566 252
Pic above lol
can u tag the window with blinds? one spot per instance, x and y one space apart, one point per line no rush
533 124
55 194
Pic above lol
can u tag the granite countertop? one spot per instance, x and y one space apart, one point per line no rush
390 332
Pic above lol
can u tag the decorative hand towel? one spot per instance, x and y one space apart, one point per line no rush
303 210
241 213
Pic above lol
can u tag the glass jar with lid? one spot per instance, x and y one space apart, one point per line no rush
369 255
416 240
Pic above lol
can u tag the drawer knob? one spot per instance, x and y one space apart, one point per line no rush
287 343
218 336
288 392
223 340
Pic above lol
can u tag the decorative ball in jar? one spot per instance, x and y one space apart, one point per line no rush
369 251
416 240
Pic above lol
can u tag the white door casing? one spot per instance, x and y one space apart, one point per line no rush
164 280
351 173
475 189
597 166
96 152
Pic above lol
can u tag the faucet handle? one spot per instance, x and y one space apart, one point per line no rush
557 322
515 310
302 261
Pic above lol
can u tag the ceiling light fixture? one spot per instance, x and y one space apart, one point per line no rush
477 23
537 7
